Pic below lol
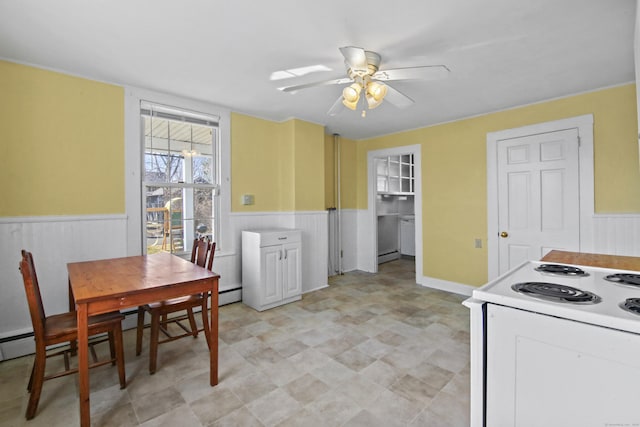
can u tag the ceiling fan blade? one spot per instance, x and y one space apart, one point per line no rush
295 88
355 57
428 72
336 107
397 98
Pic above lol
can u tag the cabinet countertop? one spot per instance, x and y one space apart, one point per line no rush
594 260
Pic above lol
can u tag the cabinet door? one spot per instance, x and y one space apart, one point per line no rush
292 277
271 274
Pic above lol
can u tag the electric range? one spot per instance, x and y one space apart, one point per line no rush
548 338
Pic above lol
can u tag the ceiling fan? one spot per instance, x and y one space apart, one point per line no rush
366 78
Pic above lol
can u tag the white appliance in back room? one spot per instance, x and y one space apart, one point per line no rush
556 345
396 227
408 235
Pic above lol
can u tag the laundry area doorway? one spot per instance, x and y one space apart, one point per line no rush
395 206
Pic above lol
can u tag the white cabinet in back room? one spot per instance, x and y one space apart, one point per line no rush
271 264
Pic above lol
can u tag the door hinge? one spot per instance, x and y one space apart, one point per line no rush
579 141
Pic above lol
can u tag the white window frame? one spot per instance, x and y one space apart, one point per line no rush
152 110
134 163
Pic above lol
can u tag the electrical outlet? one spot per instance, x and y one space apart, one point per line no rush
478 243
247 199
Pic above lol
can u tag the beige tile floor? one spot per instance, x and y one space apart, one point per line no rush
369 350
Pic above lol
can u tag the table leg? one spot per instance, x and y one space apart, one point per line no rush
83 364
213 332
73 344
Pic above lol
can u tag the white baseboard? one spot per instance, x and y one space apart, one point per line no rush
444 285
315 289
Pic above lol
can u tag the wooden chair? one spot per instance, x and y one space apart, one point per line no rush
60 328
202 254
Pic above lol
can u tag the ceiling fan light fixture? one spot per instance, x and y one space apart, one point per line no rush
351 93
377 90
350 105
371 102
375 93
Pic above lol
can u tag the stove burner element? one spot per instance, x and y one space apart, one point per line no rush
624 279
562 270
557 293
632 305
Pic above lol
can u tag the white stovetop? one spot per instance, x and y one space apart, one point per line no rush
606 313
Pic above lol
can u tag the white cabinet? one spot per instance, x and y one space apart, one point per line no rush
395 174
271 262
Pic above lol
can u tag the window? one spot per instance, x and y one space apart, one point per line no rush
181 177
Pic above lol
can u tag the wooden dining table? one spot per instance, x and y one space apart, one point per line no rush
114 284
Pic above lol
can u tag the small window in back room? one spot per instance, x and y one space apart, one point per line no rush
180 179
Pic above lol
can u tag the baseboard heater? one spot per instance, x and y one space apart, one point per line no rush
388 256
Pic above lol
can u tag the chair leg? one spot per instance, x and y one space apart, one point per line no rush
73 347
33 368
36 385
192 322
119 354
153 346
205 318
139 331
112 349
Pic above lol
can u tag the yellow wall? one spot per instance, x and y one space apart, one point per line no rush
63 150
256 163
62 144
348 173
281 164
454 173
309 166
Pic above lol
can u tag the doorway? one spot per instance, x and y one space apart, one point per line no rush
529 139
373 197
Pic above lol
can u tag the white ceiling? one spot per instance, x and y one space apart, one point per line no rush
501 53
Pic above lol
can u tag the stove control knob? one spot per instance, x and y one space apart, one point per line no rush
504 234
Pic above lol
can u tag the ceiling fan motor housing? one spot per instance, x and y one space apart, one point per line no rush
373 63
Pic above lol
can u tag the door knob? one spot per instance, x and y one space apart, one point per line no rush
504 234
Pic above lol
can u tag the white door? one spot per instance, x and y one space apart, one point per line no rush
538 196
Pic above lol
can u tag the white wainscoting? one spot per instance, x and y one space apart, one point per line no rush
349 241
54 241
616 234
350 237
367 246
